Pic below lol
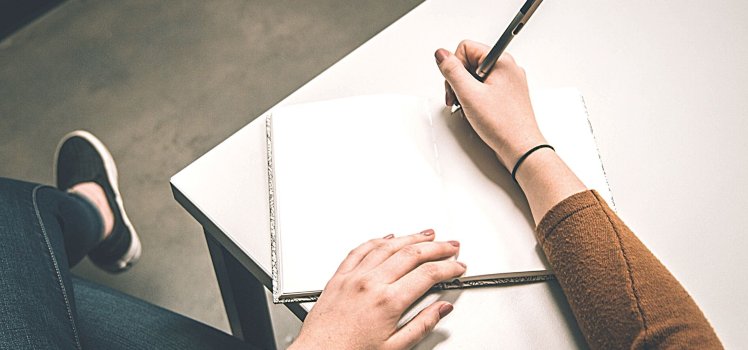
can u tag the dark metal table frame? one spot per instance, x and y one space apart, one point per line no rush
241 282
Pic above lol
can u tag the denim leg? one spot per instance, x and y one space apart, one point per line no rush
36 296
109 319
41 228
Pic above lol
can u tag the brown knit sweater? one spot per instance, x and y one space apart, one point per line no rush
620 294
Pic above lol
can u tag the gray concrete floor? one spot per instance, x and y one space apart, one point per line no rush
162 82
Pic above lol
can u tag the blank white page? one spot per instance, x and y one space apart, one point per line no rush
347 171
354 169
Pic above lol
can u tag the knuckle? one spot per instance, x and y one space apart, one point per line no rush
509 57
363 247
423 330
432 321
388 299
378 244
386 246
455 271
427 326
334 283
362 285
469 44
431 271
354 252
412 251
450 67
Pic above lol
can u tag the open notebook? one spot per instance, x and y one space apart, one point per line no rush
344 171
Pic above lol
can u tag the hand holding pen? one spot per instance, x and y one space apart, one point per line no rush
499 109
482 68
492 92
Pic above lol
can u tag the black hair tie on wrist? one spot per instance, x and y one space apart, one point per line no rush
524 156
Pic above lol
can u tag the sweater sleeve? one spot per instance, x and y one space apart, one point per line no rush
620 294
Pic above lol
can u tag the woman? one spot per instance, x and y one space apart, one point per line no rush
620 294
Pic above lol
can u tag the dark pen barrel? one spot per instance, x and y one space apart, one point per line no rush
485 67
513 29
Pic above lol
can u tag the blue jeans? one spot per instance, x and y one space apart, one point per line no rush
43 232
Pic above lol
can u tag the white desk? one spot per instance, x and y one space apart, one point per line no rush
666 86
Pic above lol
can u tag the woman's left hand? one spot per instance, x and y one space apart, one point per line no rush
372 288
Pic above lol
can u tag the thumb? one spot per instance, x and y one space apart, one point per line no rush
420 326
454 72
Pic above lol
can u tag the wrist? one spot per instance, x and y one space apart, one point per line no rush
546 180
536 165
514 150
527 154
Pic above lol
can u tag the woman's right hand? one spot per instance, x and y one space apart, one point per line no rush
498 109
500 112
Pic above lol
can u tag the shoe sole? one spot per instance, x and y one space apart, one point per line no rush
133 253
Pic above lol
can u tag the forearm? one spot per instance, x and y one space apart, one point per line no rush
619 292
546 180
621 295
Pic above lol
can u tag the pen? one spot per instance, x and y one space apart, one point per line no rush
511 31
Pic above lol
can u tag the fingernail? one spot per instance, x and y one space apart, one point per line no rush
428 232
461 264
440 55
445 309
454 243
388 236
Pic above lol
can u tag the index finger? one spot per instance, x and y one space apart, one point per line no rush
471 53
417 282
411 256
374 251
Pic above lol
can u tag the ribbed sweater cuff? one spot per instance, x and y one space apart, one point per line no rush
565 209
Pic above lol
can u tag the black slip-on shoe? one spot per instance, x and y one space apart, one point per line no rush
81 157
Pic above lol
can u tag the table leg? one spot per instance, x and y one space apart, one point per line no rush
243 297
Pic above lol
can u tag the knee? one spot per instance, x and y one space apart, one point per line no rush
13 191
